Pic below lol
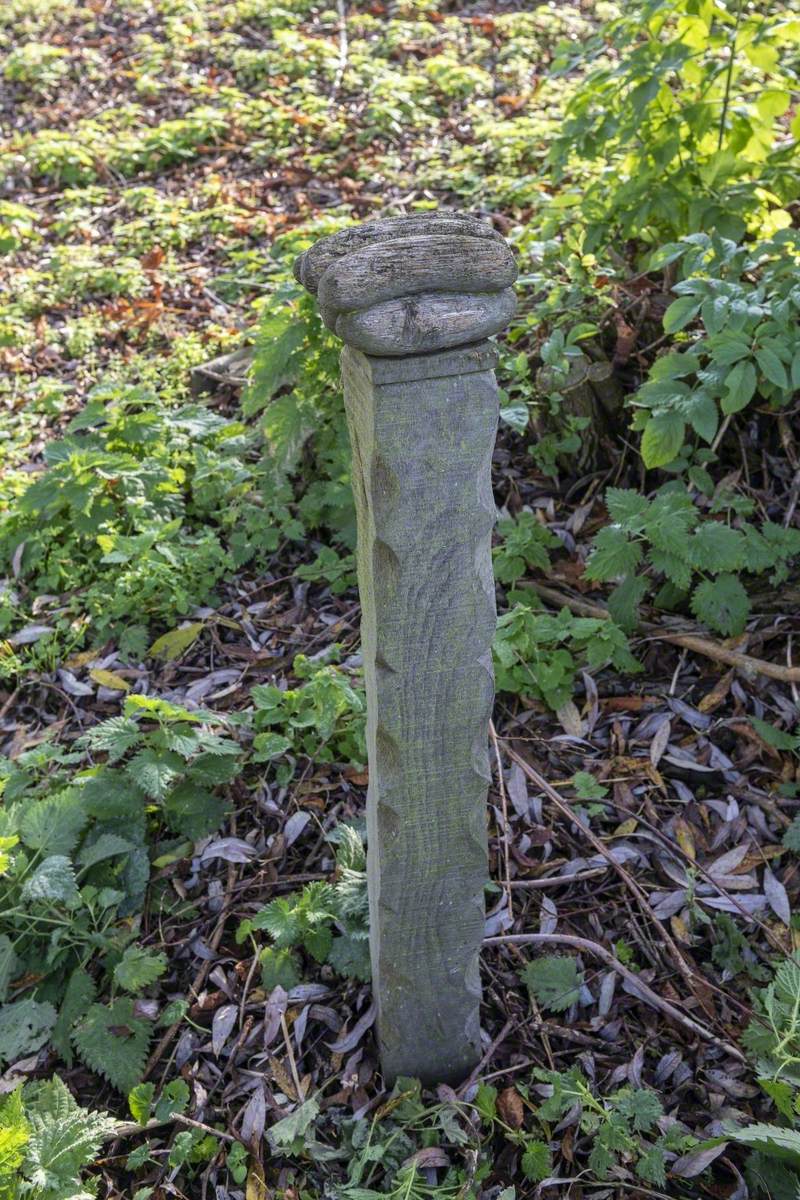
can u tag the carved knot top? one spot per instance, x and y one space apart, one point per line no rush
412 285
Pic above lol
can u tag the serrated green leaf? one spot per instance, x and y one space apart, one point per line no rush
53 879
64 1138
721 603
138 968
349 956
296 1125
79 994
8 965
154 772
107 845
791 836
112 1041
278 969
53 825
613 554
716 548
537 1161
626 508
624 601
555 981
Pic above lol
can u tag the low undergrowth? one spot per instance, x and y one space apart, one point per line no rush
181 834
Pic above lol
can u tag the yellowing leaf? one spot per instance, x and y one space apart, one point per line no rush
685 838
172 645
256 1184
110 680
626 828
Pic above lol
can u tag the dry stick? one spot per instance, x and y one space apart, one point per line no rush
501 783
639 986
689 641
200 977
487 1057
627 878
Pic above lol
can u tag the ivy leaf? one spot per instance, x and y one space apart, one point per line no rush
740 386
721 603
662 439
555 981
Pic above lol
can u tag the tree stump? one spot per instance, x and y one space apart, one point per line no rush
422 409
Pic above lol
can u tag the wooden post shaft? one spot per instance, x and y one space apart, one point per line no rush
422 429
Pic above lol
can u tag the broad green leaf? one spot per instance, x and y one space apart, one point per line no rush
662 439
771 367
680 313
740 386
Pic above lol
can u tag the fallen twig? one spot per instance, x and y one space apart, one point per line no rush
647 993
689 641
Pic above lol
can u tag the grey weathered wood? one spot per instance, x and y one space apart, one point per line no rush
422 429
314 262
420 324
421 477
408 266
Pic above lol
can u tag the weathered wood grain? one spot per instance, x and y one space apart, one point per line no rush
408 266
430 321
314 262
422 443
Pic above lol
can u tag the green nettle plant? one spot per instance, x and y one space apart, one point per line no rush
74 866
538 655
669 546
323 718
330 922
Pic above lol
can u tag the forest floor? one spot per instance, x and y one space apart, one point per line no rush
163 161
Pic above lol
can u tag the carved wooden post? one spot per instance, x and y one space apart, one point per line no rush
415 298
